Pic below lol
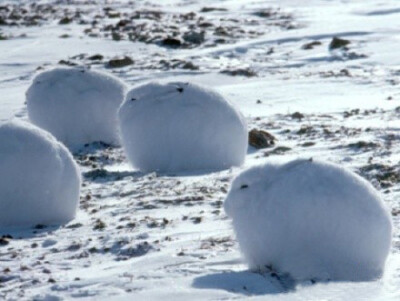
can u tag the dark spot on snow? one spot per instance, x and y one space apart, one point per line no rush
196 219
194 37
65 20
247 72
4 241
171 42
363 144
395 212
99 225
211 9
338 43
311 45
261 139
386 175
179 89
297 115
120 62
67 63
244 186
277 151
133 99
271 13
105 175
308 144
96 57
306 130
74 226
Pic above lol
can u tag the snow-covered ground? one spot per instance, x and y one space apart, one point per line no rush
152 236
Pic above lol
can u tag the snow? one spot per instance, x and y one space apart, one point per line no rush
311 220
181 127
40 182
78 106
194 253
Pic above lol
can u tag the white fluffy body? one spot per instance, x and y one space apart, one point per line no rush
77 106
40 182
181 127
310 219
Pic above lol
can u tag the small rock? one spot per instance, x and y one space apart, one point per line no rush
240 72
99 225
363 144
305 130
4 241
277 151
112 14
96 57
267 13
344 72
205 24
308 144
194 37
74 226
196 220
65 20
171 42
74 247
311 45
190 66
297 115
261 139
67 63
210 9
338 43
120 62
116 36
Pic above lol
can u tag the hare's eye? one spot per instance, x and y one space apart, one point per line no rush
244 186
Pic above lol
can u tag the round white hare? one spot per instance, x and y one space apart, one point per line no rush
40 181
310 219
181 127
77 106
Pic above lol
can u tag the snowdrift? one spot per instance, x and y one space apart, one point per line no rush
40 182
77 106
310 219
181 127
